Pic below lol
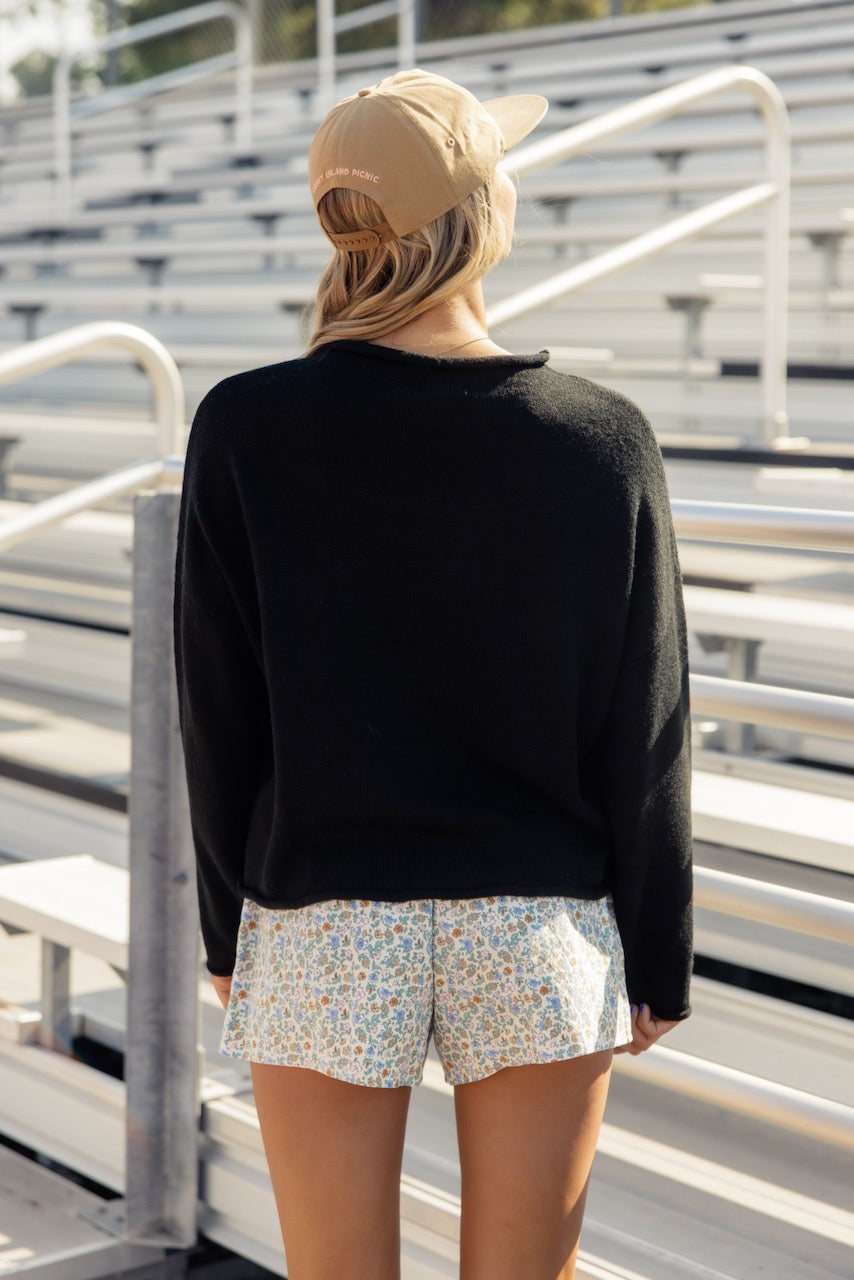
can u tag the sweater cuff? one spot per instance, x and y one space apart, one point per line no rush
670 1015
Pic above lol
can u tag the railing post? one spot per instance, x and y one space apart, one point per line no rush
406 24
55 1031
328 27
325 54
774 370
162 1057
62 131
243 47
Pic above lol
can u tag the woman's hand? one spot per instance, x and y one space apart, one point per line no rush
222 986
646 1029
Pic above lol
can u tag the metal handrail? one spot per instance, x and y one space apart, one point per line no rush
71 344
773 192
52 511
241 57
161 1158
803 527
775 1104
801 710
328 27
812 913
164 82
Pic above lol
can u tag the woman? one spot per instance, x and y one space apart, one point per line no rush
431 657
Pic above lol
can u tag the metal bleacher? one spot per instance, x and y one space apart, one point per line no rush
726 1150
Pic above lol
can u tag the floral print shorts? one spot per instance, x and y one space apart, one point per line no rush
354 988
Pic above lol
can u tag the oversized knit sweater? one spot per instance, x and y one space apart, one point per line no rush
430 642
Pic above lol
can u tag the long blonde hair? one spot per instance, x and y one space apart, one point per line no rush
369 293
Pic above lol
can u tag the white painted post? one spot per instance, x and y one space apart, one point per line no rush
406 32
62 131
325 55
774 370
243 74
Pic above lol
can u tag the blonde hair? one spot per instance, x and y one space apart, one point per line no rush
369 293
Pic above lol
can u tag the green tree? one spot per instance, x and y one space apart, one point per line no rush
287 27
443 18
35 73
286 30
163 53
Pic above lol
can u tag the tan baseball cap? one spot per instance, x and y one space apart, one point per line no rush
417 144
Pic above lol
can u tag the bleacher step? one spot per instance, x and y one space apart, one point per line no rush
12 642
44 1234
69 754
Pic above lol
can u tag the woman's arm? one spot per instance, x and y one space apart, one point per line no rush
222 692
643 760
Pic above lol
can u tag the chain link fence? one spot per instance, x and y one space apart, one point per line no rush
284 31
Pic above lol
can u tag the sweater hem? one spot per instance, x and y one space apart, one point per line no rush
278 902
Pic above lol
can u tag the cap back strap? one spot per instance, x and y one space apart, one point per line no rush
370 238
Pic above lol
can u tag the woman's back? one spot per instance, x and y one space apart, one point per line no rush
444 569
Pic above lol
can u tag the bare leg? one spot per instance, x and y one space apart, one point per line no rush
527 1137
335 1152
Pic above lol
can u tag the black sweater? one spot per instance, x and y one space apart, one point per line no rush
430 643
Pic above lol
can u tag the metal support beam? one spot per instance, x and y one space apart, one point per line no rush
330 26
162 1061
742 666
55 1032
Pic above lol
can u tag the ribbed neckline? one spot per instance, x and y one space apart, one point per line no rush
353 346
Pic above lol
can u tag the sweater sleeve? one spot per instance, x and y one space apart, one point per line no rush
644 759
222 694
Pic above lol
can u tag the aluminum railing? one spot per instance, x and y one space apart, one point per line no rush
802 527
75 344
163 1006
773 192
801 710
329 26
806 711
738 896
775 904
753 703
794 910
241 57
814 1117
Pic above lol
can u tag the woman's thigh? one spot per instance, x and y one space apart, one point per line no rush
527 1136
335 1152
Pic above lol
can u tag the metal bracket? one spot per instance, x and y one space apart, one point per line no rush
109 1217
138 1261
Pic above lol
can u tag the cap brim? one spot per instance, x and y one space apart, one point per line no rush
517 115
